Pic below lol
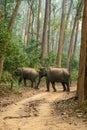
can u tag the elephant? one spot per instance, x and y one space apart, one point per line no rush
53 75
27 74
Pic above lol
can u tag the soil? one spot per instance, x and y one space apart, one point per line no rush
39 110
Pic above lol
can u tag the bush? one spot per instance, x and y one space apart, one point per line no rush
15 56
74 75
33 53
4 38
64 59
74 63
18 55
6 77
50 60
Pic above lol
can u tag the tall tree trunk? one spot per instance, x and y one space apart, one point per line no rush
76 36
82 80
29 26
71 47
62 29
70 51
26 26
12 20
48 37
44 38
66 22
1 58
39 20
1 65
1 10
5 10
30 22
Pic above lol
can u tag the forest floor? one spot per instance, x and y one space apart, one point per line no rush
39 110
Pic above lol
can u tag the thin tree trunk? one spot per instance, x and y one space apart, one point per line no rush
1 65
82 80
5 10
29 27
39 20
71 44
26 26
48 38
66 22
30 23
62 29
12 20
76 36
44 38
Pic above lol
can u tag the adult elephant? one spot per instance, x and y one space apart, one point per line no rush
54 75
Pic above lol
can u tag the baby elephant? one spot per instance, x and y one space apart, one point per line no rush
27 74
55 75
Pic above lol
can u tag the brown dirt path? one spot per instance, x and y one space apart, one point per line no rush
35 113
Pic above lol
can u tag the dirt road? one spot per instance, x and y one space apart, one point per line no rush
36 113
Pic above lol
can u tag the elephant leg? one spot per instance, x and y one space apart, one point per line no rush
64 87
68 89
20 79
53 85
47 85
38 82
32 84
35 85
25 82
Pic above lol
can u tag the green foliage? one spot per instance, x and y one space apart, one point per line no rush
74 66
16 56
9 7
3 38
34 52
74 75
74 63
64 59
17 91
6 77
50 60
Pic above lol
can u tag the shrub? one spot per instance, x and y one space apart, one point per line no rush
6 77
33 53
4 38
15 56
50 60
74 75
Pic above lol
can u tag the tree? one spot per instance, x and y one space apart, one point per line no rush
82 80
3 35
30 23
45 28
48 37
39 21
14 15
61 37
67 23
71 47
2 58
76 36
